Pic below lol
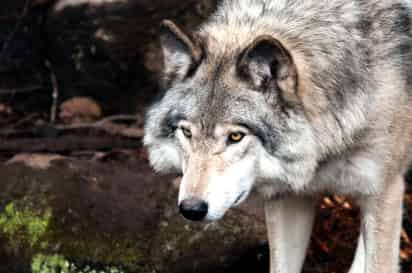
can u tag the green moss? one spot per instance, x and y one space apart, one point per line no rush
22 223
50 264
42 263
31 228
106 251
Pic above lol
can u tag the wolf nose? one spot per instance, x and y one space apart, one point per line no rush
193 209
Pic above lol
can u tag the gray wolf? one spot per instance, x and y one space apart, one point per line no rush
291 98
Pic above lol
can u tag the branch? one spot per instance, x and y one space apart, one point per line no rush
20 90
55 93
67 144
99 123
105 126
99 136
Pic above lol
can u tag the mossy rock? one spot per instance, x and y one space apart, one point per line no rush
81 216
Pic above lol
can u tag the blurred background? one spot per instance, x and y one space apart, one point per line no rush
76 192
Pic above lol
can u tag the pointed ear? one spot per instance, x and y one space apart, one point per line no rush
181 53
265 63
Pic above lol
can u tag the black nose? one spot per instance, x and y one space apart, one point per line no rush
193 209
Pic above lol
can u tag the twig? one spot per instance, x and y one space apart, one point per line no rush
20 90
67 144
106 125
15 30
55 93
99 123
116 118
25 119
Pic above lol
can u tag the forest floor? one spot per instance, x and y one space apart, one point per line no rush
117 140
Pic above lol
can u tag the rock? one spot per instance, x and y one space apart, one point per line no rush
79 110
35 161
106 216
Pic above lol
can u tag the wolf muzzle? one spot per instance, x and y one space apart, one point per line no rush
193 209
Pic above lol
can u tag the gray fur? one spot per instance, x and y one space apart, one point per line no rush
333 116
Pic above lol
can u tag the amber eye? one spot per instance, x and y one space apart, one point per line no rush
186 132
236 137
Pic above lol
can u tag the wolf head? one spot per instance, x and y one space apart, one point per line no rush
230 119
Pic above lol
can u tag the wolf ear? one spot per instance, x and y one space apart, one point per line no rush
266 62
181 53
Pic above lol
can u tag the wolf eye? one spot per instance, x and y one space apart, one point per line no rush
236 137
186 132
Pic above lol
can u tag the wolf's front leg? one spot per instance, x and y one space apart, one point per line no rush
381 226
289 223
